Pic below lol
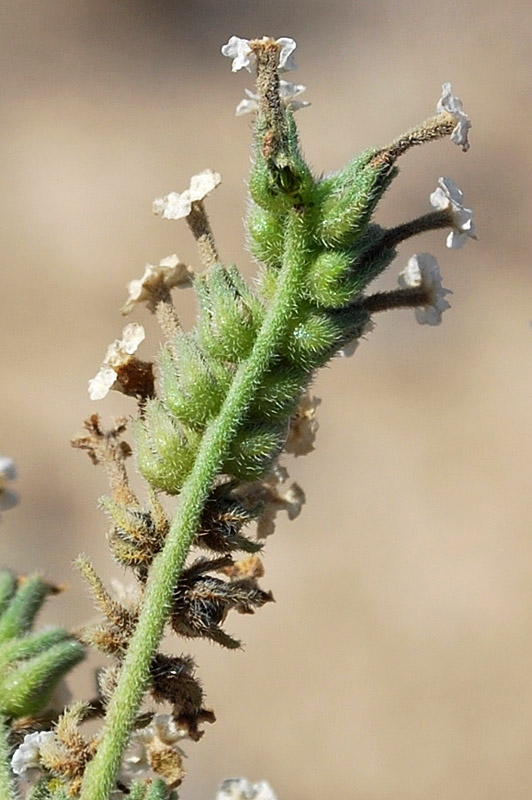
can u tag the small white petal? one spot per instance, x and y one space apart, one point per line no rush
27 755
287 92
203 183
422 271
8 470
449 102
286 55
102 383
448 196
179 205
173 206
242 789
246 106
239 50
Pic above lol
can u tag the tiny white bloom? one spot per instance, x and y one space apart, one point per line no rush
146 744
287 92
156 281
422 271
449 102
27 755
179 205
449 196
242 789
119 353
240 51
8 472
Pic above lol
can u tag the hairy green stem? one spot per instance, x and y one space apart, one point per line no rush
164 574
7 786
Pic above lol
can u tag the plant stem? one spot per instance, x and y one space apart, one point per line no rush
7 786
164 574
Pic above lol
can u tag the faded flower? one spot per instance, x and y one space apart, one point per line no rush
118 355
303 426
179 205
422 271
448 196
156 283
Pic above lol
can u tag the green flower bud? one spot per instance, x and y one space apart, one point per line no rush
26 689
266 236
165 449
330 279
278 394
313 339
253 452
19 615
194 385
29 645
230 314
350 197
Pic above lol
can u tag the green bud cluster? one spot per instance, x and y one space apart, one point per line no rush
31 664
341 252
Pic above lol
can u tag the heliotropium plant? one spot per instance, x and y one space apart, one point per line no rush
216 414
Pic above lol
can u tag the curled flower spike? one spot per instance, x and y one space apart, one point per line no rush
118 355
179 205
448 196
449 102
287 92
156 283
8 472
422 271
241 51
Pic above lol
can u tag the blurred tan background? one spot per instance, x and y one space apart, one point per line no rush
397 661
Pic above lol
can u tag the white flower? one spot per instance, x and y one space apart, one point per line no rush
422 271
242 789
28 755
8 472
449 196
178 205
449 102
155 750
119 353
287 92
240 51
157 282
